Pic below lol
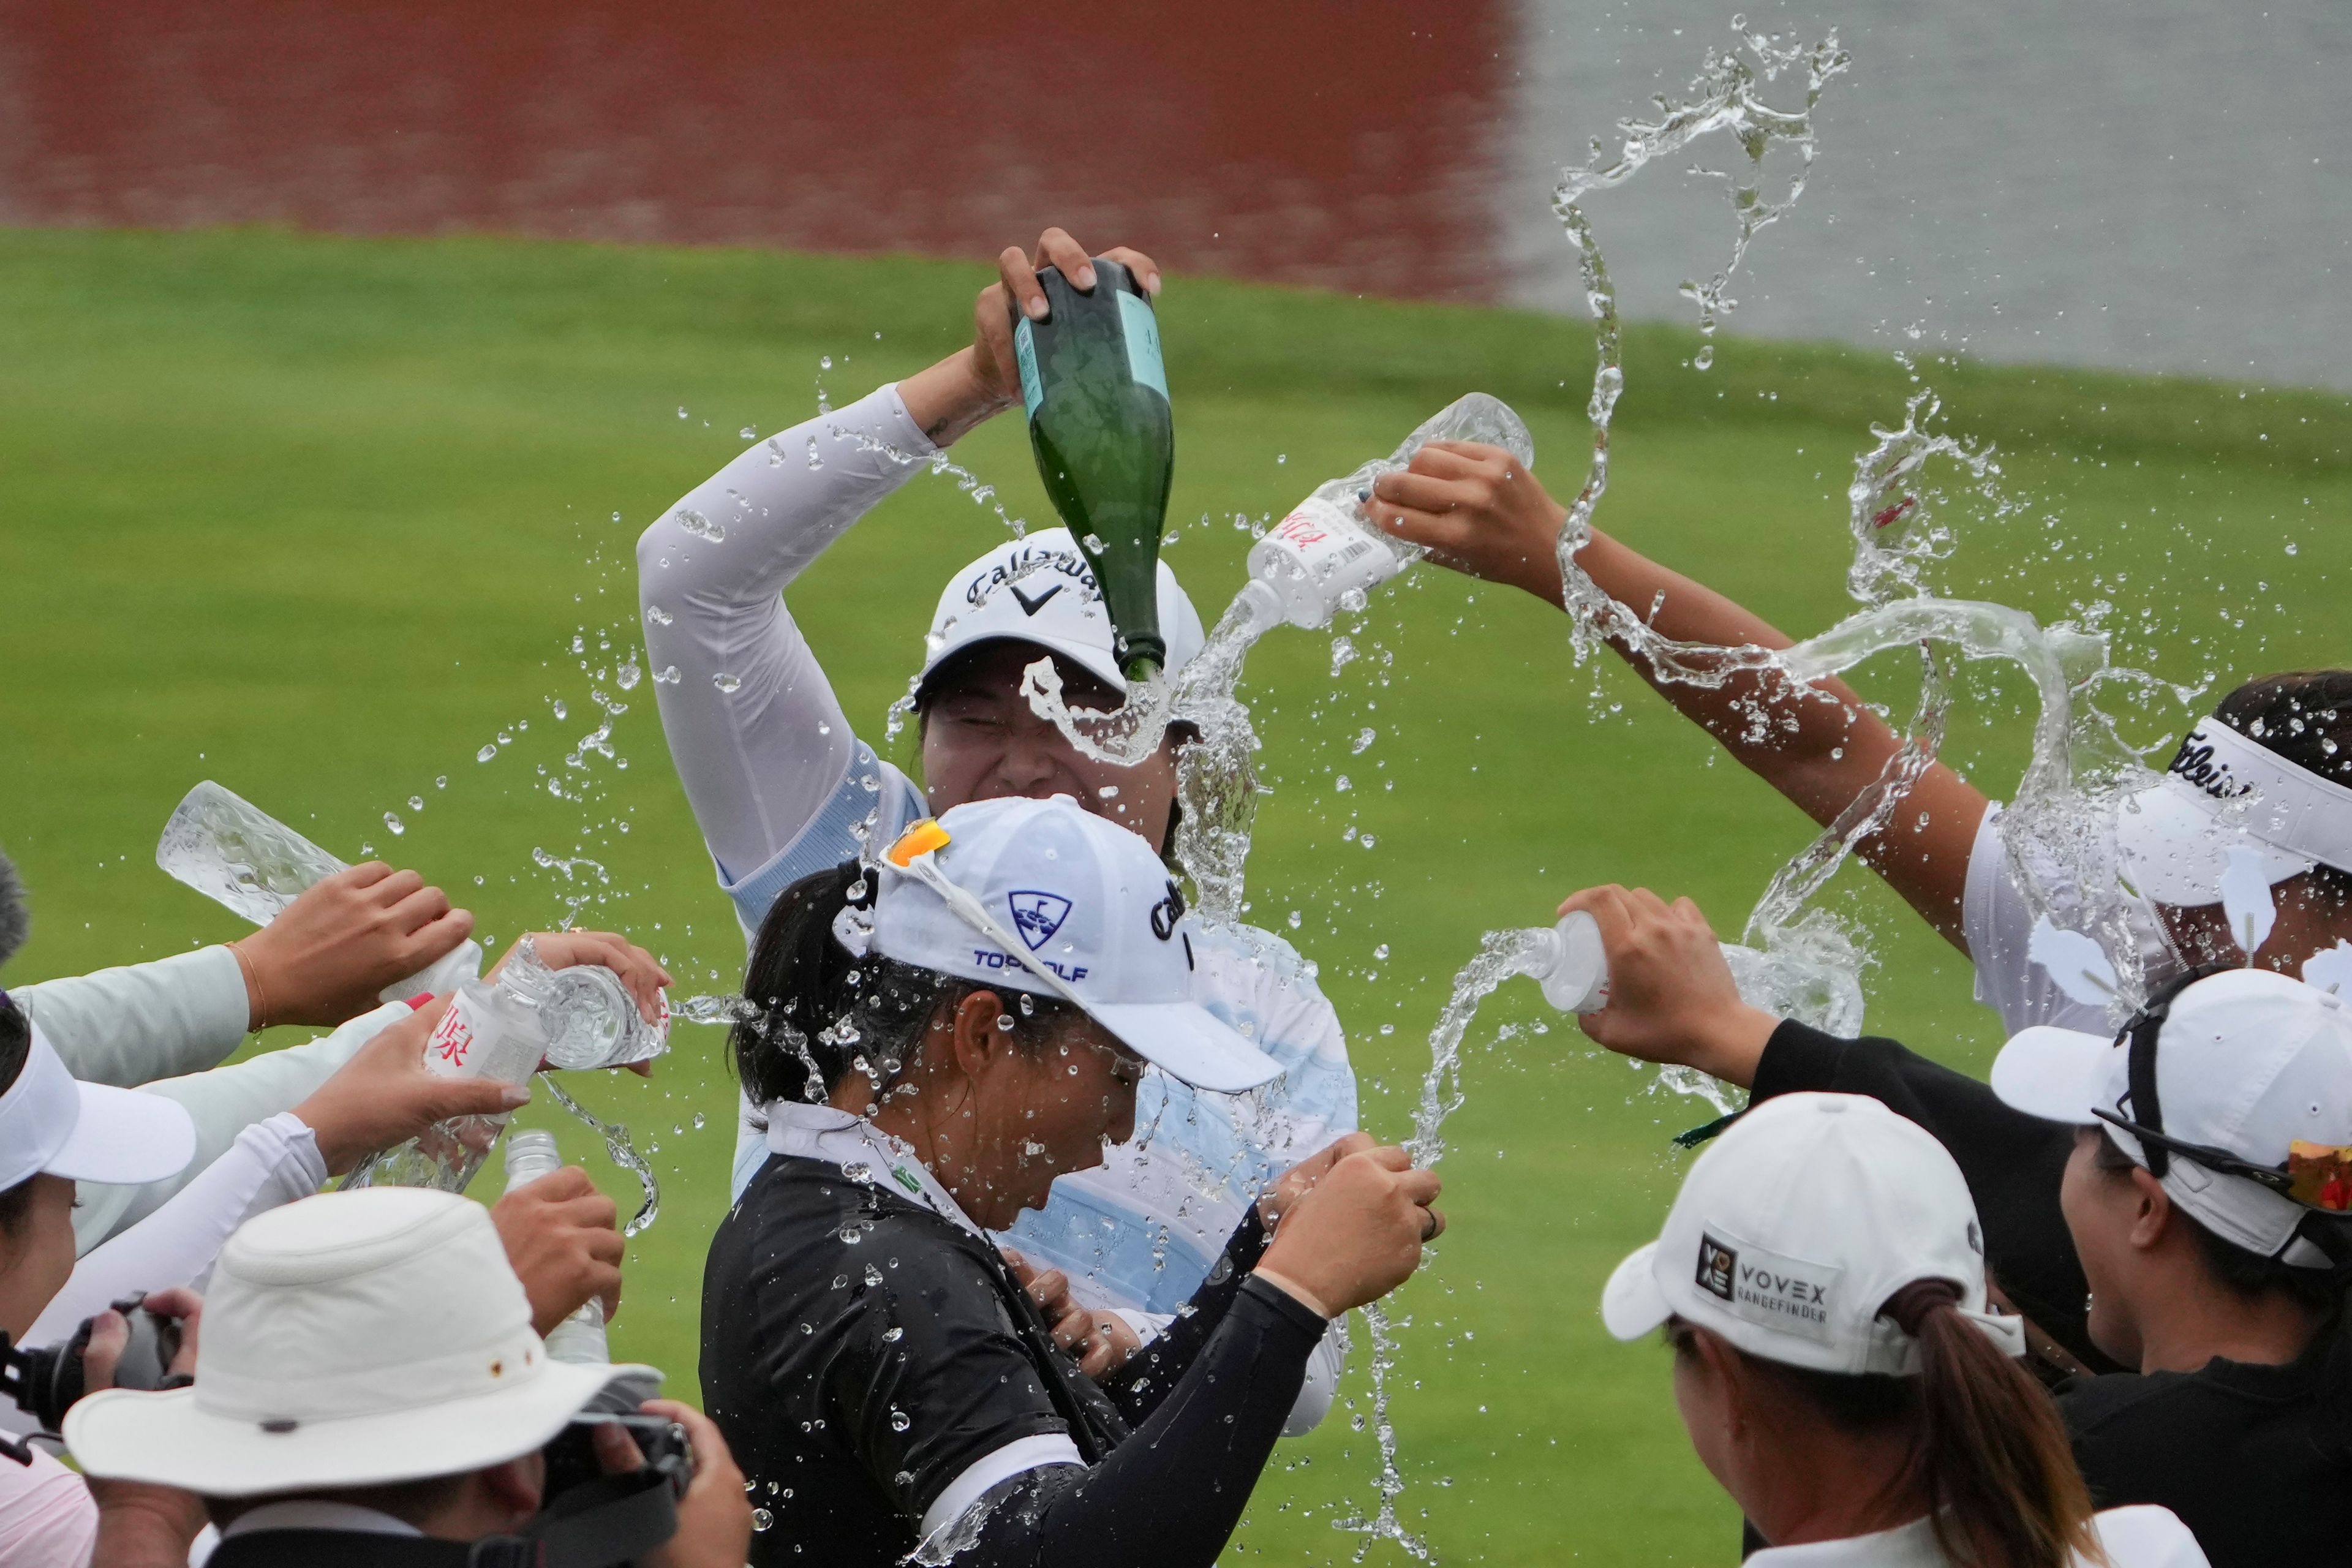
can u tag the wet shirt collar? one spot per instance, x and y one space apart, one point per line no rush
805 1131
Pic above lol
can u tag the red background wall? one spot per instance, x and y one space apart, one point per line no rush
1344 145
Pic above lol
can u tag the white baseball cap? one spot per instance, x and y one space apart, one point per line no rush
2247 1062
1039 589
2223 791
51 1124
1045 897
352 1339
1793 1229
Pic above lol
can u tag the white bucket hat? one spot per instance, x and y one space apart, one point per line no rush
51 1124
1045 897
350 1340
2247 1062
1039 589
1794 1228
2223 792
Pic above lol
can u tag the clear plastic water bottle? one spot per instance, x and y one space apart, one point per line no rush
490 1031
1572 969
1326 557
232 851
580 1338
590 1019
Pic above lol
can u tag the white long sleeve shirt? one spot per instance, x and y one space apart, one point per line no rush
162 1026
780 785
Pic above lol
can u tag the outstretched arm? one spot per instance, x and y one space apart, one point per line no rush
760 740
1481 513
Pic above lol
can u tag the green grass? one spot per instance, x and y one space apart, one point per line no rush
320 518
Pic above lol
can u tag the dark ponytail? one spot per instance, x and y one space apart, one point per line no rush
1990 1453
818 1012
1987 1455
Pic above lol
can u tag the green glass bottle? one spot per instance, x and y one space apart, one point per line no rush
1106 446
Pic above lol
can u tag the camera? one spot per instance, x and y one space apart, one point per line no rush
571 1461
47 1382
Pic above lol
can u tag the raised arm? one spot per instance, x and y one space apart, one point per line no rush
760 740
1480 512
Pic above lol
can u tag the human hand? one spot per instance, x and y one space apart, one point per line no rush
1099 1342
386 1095
144 1526
640 975
1671 997
1284 1192
714 1517
325 957
1478 511
110 1336
976 382
562 1239
1357 1234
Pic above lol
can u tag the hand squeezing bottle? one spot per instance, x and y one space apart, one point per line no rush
580 1338
234 852
1327 556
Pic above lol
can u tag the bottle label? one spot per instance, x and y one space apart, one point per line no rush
1141 330
449 1051
1024 350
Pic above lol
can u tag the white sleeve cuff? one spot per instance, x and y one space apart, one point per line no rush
1015 1459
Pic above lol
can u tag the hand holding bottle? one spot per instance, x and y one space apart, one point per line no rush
323 961
1357 1234
1671 995
982 380
563 1239
386 1095
1478 509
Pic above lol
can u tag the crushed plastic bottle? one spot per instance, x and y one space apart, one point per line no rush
580 1338
1326 555
238 854
493 1031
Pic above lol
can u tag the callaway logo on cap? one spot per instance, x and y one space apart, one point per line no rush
1039 589
1045 897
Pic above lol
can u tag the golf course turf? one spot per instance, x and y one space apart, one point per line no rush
322 518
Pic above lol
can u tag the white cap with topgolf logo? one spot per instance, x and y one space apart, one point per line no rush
1039 589
1793 1229
1044 897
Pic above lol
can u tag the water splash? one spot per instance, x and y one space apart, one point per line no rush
623 1152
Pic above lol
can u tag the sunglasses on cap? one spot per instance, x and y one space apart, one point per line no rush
2316 1175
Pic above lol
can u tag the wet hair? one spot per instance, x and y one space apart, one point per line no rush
820 1012
2305 717
1988 1453
16 1049
15 920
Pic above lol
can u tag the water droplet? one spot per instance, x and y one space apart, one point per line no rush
1364 738
1705 358
561 711
485 753
393 825
666 675
441 783
681 411
698 1121
701 527
898 1421
762 1520
626 677
726 682
750 431
658 616
893 1334
416 803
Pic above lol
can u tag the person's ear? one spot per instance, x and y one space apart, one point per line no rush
2152 1212
978 1040
1722 1367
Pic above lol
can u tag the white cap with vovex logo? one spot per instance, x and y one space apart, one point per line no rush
1045 897
1793 1229
2248 1061
1039 589
2223 791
